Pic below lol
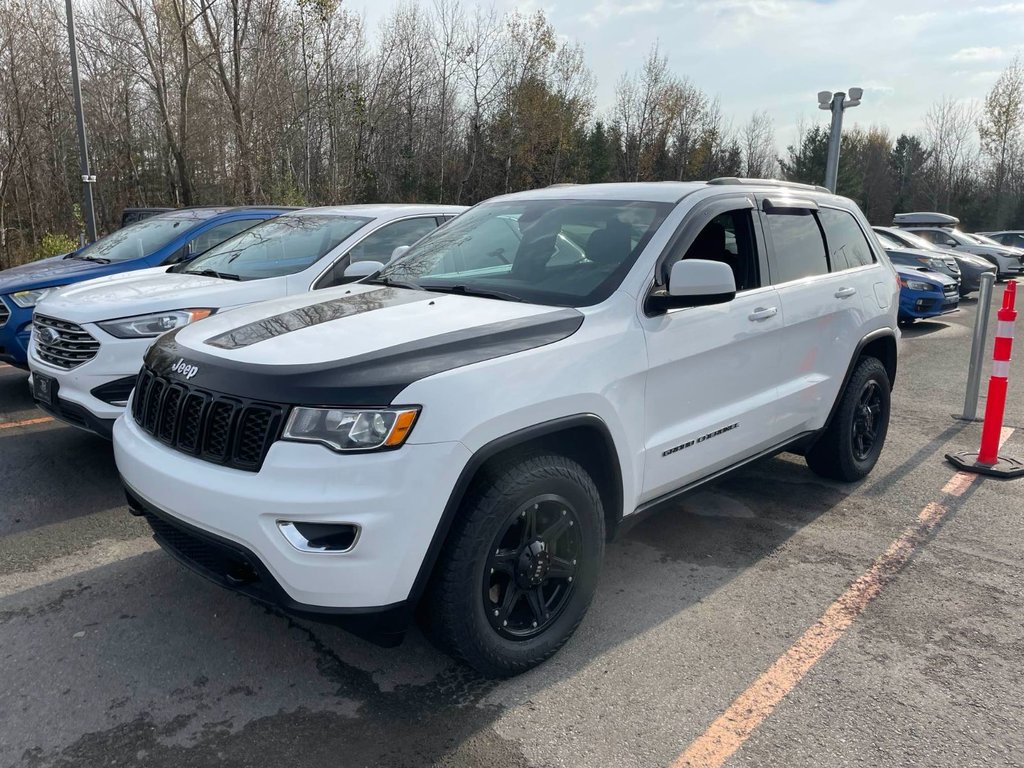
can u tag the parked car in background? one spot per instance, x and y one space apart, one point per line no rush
925 294
981 239
90 338
473 423
160 240
132 215
971 267
934 260
940 229
1014 238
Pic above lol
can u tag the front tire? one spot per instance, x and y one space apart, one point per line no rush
520 566
852 443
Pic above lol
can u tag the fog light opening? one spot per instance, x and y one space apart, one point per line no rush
325 538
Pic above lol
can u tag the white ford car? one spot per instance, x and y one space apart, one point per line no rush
463 432
89 339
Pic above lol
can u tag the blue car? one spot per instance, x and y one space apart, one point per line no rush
924 294
156 241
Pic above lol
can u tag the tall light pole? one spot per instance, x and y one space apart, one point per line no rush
83 144
836 103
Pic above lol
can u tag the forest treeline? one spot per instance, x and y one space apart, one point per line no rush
192 102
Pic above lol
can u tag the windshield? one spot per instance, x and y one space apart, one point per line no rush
559 252
281 246
137 240
984 240
886 241
916 241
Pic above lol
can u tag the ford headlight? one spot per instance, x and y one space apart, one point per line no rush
148 326
351 429
25 299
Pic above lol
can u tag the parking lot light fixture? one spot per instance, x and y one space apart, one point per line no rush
836 103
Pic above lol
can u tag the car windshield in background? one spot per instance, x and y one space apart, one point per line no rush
887 242
558 252
916 241
137 240
281 246
984 240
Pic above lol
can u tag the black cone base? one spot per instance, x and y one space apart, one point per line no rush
1005 467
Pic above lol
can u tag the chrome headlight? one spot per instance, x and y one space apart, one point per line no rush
25 299
351 429
155 324
916 285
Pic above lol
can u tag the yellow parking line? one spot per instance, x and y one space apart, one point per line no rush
734 726
25 422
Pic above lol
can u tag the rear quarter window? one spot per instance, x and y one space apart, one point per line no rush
848 247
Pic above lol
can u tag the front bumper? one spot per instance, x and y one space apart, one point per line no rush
920 305
14 337
116 360
396 498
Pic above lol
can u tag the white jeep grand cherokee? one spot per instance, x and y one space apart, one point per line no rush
463 432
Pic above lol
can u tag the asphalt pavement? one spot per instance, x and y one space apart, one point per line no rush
773 619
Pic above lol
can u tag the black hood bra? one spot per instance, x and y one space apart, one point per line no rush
370 379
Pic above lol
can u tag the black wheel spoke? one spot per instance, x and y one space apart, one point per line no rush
535 599
512 596
504 561
551 534
561 568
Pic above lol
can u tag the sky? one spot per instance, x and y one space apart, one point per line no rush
775 55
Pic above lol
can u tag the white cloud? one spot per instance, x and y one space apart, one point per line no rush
608 9
978 54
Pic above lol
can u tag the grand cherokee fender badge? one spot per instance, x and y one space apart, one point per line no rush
185 369
701 439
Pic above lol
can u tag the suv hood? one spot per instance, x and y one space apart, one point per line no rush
46 272
152 290
352 345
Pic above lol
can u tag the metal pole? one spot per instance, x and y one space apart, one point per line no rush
83 144
832 162
978 347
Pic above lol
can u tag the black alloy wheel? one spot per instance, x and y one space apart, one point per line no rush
866 417
529 574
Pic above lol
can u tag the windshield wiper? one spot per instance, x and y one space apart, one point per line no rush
391 283
463 290
214 273
97 259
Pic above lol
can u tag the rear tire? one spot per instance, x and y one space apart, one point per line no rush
850 446
504 597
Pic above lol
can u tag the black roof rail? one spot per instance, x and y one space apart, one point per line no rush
728 180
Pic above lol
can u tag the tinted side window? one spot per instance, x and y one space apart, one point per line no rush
799 248
847 246
379 245
218 234
729 238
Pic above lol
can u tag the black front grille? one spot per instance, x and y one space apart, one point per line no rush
951 290
5 313
218 428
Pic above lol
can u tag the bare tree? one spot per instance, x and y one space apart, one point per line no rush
760 154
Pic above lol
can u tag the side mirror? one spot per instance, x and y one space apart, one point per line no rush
398 252
695 283
185 253
360 269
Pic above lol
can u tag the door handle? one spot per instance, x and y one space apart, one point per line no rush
845 293
763 313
